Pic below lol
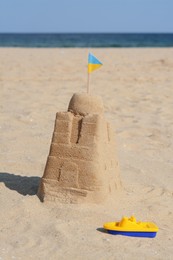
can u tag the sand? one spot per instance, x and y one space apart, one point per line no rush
136 88
82 165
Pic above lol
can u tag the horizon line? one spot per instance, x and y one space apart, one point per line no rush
86 32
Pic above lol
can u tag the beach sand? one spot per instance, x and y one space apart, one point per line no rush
136 86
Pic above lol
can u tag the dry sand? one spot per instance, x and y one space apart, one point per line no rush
82 165
137 90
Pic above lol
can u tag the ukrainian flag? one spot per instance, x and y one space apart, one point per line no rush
93 63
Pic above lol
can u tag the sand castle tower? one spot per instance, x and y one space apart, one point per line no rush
82 164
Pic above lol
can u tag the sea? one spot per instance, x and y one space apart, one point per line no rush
85 40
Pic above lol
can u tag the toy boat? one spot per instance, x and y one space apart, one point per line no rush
130 227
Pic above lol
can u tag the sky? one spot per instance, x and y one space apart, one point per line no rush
86 16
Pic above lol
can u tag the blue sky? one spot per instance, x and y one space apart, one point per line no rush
86 16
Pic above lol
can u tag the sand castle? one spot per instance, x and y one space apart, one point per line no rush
82 164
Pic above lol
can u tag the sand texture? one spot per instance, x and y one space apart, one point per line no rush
82 164
136 86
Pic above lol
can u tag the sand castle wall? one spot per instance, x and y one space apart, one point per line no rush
82 165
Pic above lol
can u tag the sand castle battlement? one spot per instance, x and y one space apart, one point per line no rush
82 165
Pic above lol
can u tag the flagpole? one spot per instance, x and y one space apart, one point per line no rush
93 64
88 81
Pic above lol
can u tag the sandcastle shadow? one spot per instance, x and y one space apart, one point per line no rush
22 184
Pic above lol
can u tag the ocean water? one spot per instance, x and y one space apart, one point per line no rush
97 40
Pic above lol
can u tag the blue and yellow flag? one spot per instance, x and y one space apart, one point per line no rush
93 63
